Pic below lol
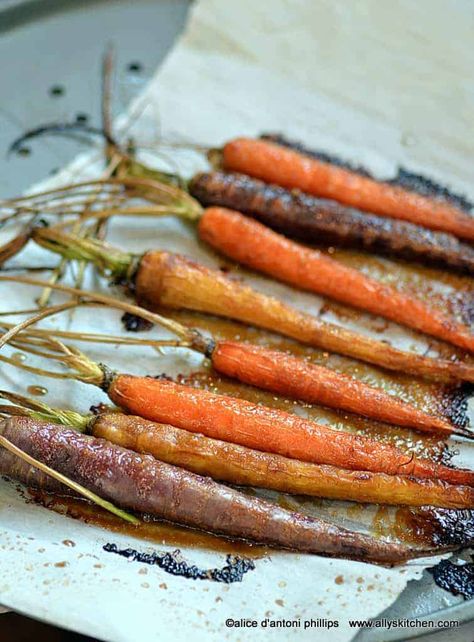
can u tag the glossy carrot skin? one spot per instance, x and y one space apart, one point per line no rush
174 281
144 484
311 219
292 377
236 464
251 243
286 167
268 429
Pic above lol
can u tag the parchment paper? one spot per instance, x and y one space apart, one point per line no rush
239 69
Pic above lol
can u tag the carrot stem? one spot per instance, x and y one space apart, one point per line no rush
42 314
84 295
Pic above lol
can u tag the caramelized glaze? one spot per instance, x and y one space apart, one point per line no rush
151 529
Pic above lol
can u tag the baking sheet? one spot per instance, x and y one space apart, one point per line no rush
186 101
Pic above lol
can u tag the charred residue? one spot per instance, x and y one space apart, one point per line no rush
428 187
454 404
439 527
134 323
172 563
458 579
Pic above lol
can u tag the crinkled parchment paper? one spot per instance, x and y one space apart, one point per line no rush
241 68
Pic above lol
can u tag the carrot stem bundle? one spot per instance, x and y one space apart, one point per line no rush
252 244
289 168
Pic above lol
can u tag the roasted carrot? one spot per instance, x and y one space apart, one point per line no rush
289 168
267 429
231 419
311 219
251 243
271 370
247 467
144 484
276 371
292 377
174 281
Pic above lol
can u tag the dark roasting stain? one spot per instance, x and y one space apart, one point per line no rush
97 409
162 377
458 579
233 571
134 323
428 187
441 527
454 405
151 528
404 178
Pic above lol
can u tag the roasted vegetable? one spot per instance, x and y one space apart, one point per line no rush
144 484
311 219
290 168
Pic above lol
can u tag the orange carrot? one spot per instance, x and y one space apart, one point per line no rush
246 467
251 243
171 280
275 163
292 377
268 429
175 281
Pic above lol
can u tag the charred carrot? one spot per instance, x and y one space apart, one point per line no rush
239 465
144 484
292 377
289 168
251 243
174 281
311 219
267 429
